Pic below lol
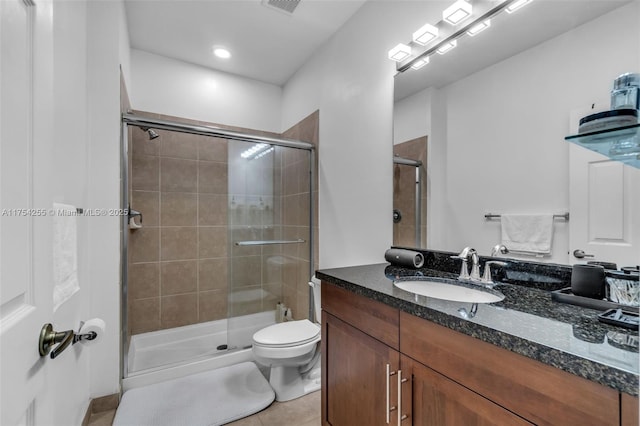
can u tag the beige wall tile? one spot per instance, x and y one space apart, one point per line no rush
178 243
147 203
212 210
178 145
212 149
144 245
212 305
179 310
178 209
141 145
246 271
212 274
144 315
179 277
144 281
212 177
212 242
178 175
245 300
145 173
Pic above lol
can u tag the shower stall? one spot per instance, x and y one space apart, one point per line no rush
219 232
410 193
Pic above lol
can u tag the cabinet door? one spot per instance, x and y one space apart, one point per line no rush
356 387
439 401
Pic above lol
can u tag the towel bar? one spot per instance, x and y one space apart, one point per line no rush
564 216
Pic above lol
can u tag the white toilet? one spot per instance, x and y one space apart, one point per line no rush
292 350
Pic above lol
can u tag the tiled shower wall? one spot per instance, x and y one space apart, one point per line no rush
404 193
296 276
181 260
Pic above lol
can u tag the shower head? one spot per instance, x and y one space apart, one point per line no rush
152 133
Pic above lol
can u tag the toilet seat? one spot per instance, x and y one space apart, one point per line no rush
287 334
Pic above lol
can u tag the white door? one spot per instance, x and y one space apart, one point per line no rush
25 226
604 206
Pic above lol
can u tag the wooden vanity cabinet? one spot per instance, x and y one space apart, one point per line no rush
381 366
360 359
436 400
629 410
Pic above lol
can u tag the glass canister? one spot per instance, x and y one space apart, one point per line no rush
626 92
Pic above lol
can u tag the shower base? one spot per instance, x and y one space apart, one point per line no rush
168 354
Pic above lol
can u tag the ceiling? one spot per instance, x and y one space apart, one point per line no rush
270 45
266 44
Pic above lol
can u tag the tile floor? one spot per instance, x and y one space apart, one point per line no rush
303 411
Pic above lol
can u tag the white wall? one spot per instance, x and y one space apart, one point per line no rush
68 379
85 164
412 116
350 80
105 50
168 86
505 128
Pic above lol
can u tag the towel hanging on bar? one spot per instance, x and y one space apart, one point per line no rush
527 233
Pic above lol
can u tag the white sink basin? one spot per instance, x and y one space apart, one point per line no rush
452 291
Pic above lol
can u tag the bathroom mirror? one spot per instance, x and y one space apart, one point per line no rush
492 115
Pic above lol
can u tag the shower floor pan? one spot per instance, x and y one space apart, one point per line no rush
171 348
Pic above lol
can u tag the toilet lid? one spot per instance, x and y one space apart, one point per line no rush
288 333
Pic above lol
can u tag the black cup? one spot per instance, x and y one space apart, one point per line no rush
588 281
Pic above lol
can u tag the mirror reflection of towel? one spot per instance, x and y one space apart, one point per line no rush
65 254
527 233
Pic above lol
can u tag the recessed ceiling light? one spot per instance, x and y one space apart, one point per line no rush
457 12
221 52
425 34
420 63
447 47
516 5
480 27
400 52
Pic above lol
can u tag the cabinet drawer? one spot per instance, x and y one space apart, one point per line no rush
538 392
374 318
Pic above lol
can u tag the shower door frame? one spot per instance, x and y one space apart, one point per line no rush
418 191
129 119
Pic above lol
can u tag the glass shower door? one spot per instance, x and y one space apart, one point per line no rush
254 206
268 234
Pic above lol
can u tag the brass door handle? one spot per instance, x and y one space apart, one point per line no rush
48 338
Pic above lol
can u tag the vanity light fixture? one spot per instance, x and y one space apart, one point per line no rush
221 52
447 37
478 28
457 12
444 48
425 34
420 63
516 5
400 52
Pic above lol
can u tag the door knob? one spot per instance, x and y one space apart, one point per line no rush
580 254
48 338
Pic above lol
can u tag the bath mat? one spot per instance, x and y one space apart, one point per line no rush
211 398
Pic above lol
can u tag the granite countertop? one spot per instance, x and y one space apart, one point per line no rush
527 322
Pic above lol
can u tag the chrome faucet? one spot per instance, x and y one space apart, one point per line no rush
475 264
486 277
499 249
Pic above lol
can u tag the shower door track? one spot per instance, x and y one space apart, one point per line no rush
155 123
129 119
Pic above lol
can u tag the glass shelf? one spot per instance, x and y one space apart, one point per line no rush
619 143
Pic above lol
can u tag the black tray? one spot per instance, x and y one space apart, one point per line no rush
620 318
565 296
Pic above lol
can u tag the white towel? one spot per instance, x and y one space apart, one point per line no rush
527 233
65 254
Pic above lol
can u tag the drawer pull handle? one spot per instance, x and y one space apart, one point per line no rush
388 410
399 397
